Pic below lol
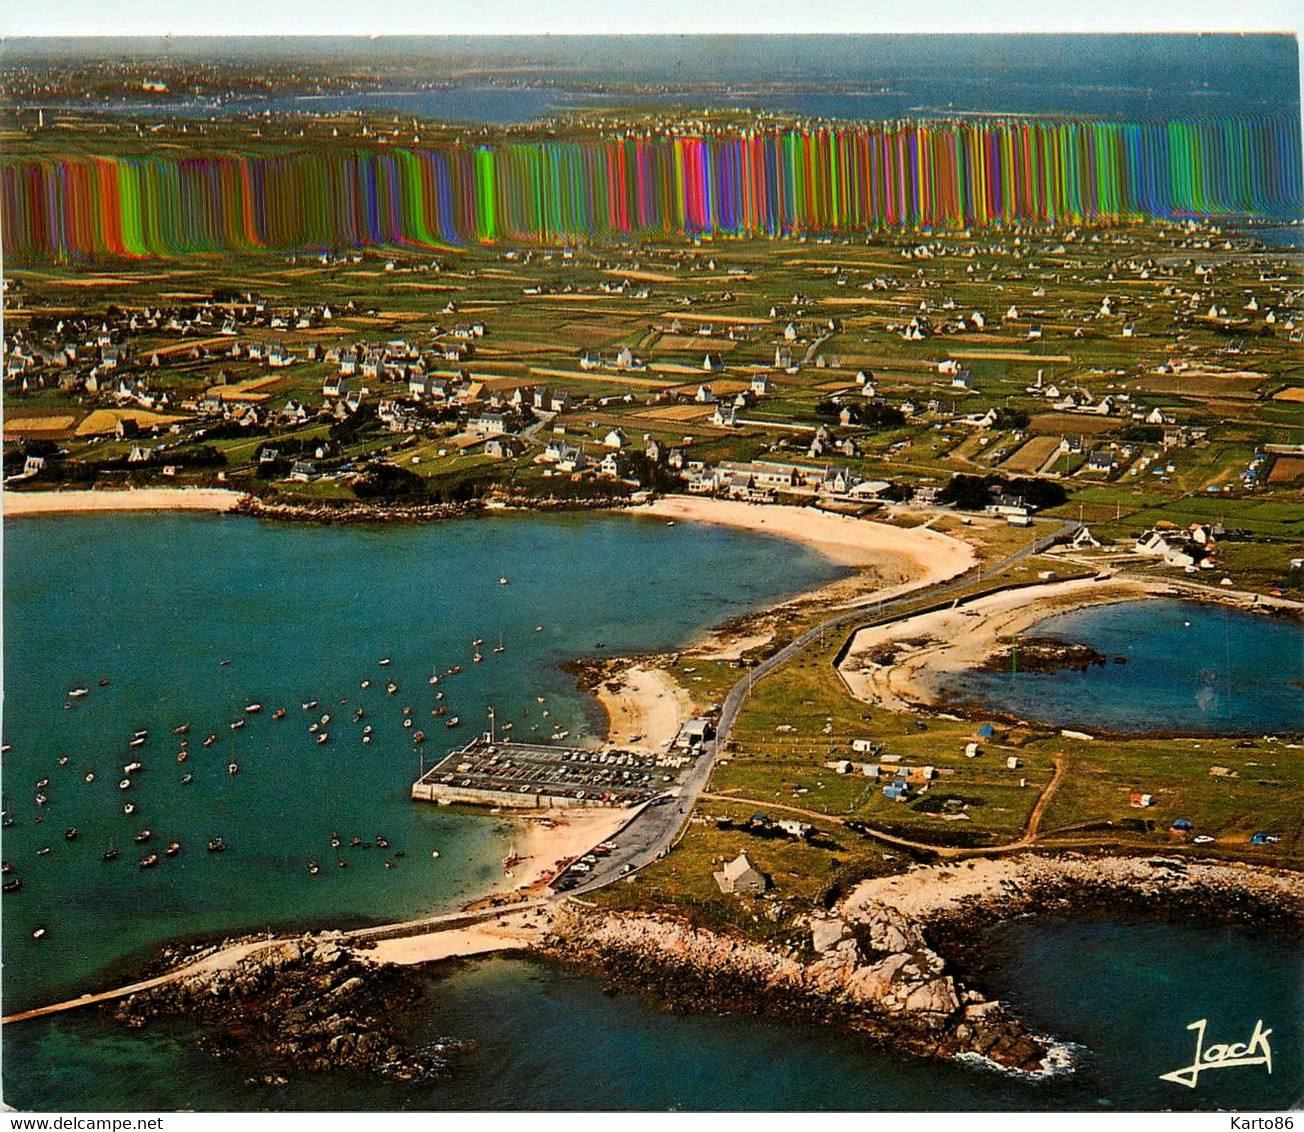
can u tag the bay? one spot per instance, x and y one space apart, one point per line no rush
192 619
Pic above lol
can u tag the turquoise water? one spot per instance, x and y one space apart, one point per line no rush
1123 993
1191 668
158 604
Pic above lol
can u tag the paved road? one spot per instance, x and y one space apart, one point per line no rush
654 830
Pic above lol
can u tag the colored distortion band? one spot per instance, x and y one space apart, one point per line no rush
905 176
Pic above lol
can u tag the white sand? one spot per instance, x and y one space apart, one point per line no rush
847 540
962 638
504 933
137 499
647 711
553 839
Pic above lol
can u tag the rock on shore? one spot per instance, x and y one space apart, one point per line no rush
301 1005
875 974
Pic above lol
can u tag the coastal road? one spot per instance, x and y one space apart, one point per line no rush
653 831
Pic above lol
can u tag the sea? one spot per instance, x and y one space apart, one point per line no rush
506 80
192 618
1187 667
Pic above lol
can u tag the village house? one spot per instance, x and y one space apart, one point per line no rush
739 876
614 465
725 416
487 424
503 447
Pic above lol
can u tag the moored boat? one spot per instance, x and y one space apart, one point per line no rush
110 854
216 845
149 862
143 836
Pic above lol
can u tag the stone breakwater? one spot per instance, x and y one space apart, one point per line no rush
303 1005
874 973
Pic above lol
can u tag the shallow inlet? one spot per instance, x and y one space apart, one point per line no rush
1191 668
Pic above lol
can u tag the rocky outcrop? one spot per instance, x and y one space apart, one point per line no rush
876 974
300 1005
351 511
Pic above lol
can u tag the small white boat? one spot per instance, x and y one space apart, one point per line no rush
131 768
138 742
125 784
538 628
323 737
77 693
90 776
254 708
391 688
38 933
384 661
129 808
325 719
365 684
434 853
310 705
233 768
502 581
239 723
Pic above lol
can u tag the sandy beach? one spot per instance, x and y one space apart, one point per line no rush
142 499
504 933
927 555
548 840
888 560
931 646
646 709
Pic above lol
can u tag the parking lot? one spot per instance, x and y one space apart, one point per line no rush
615 778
